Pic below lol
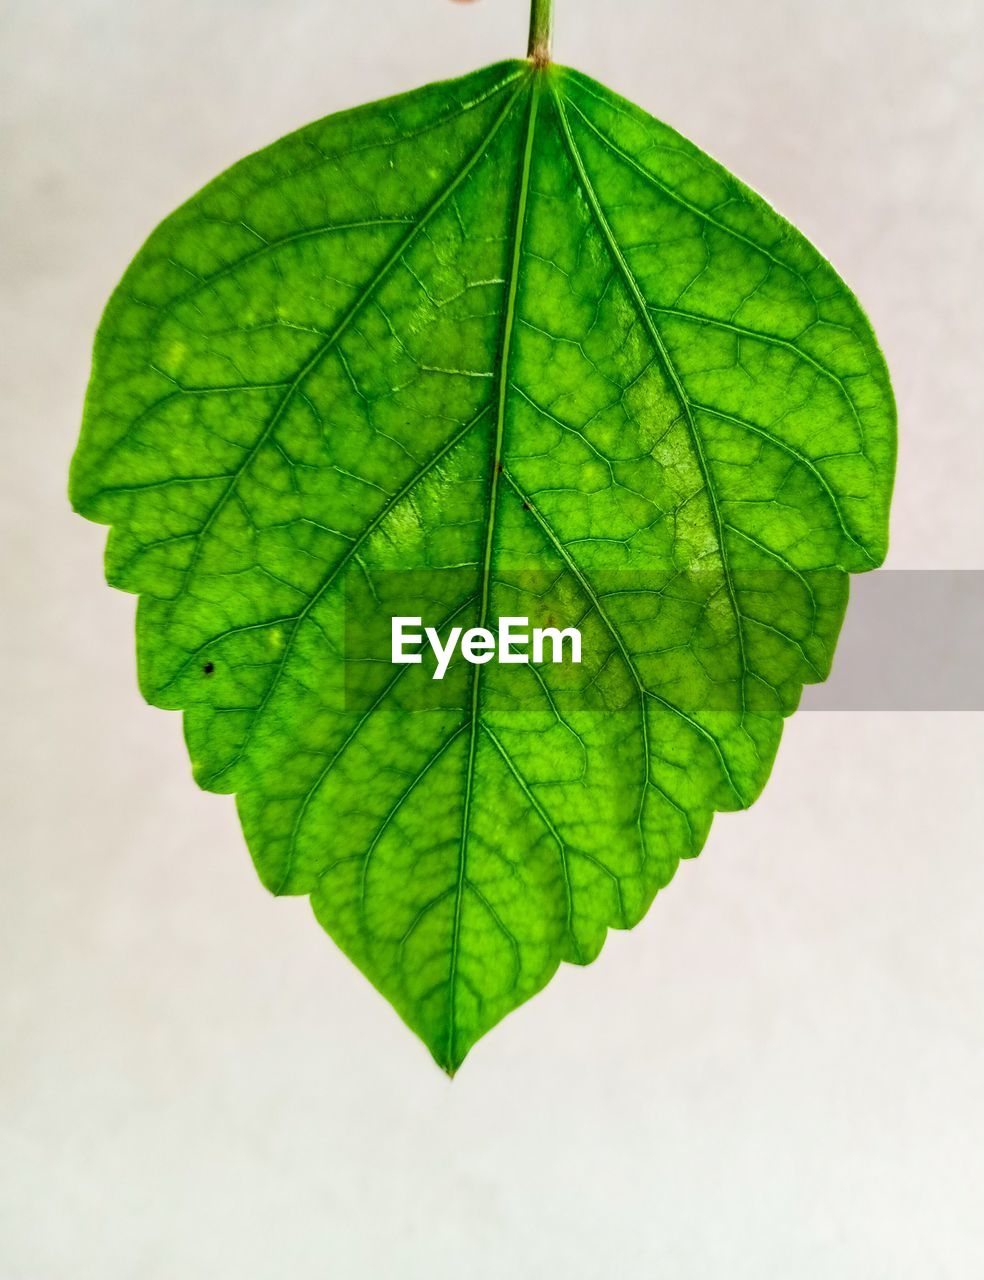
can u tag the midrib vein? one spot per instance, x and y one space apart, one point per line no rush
496 464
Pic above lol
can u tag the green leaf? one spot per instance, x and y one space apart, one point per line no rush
500 346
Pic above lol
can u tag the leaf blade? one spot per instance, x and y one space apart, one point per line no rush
513 334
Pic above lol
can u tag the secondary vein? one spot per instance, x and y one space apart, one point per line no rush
349 315
671 372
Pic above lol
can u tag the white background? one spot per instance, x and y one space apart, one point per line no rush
779 1074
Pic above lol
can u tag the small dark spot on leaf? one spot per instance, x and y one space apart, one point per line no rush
498 467
526 506
208 668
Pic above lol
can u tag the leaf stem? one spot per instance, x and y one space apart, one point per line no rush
541 22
